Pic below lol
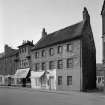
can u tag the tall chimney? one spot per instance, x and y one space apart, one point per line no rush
86 16
44 33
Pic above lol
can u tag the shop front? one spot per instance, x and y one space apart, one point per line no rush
43 79
22 77
36 80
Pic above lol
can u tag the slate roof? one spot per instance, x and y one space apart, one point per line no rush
66 34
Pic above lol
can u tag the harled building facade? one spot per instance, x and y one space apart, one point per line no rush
71 52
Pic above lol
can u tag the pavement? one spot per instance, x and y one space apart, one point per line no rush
28 96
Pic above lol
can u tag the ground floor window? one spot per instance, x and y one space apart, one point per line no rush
69 80
59 80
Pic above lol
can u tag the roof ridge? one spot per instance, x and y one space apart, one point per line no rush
68 33
66 27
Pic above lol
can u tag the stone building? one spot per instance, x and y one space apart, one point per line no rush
8 64
23 72
15 64
70 54
25 54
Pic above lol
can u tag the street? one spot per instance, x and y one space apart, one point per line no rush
20 96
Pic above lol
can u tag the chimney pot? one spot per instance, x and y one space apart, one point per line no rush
44 33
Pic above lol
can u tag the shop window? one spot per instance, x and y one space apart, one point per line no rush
59 80
99 79
69 80
43 66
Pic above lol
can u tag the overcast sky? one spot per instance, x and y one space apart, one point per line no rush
24 19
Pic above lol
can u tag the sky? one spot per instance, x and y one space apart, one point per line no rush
24 19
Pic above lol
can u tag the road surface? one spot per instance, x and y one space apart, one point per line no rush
19 96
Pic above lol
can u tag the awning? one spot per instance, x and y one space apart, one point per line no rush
36 74
22 73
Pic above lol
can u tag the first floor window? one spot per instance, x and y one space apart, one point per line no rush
69 80
69 62
51 65
59 80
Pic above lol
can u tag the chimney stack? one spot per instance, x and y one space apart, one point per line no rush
44 33
86 16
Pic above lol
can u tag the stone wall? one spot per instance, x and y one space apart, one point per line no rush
74 71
